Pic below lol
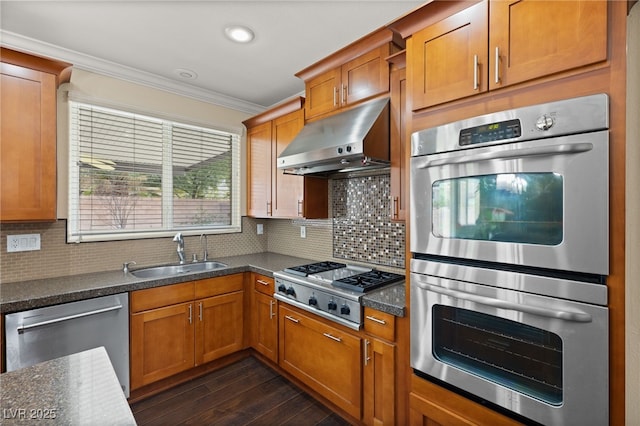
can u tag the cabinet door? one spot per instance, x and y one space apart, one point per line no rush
399 149
531 38
365 76
379 382
219 327
265 326
287 190
322 93
259 165
161 343
449 58
324 357
27 145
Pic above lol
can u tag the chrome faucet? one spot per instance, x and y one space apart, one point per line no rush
205 255
180 240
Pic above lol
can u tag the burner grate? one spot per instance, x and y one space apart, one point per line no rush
314 268
368 281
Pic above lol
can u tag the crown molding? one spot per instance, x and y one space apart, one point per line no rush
111 69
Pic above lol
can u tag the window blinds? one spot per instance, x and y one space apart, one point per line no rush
137 176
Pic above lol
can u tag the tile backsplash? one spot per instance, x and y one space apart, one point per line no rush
362 228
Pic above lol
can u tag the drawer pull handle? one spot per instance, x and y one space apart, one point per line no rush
292 319
262 282
337 339
374 319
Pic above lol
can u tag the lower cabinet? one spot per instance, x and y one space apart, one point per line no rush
430 404
379 371
264 337
326 358
177 327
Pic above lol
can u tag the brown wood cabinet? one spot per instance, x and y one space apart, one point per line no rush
270 192
219 325
527 40
176 327
400 143
265 317
450 408
356 80
379 375
28 136
322 356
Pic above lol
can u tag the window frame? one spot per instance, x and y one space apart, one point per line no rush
75 235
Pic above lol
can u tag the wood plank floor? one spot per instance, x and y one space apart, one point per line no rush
244 393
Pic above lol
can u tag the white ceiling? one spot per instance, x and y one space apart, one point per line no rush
145 41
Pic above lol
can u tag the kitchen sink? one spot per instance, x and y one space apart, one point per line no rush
187 268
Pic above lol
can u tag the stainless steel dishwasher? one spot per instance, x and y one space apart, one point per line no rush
54 331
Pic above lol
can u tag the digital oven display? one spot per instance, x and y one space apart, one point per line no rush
491 132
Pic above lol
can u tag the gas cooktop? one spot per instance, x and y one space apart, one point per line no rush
331 289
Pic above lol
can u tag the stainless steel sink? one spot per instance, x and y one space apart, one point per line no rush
187 268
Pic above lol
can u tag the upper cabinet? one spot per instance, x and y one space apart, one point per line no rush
270 192
28 139
353 74
495 44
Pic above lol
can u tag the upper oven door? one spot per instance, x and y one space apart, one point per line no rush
541 203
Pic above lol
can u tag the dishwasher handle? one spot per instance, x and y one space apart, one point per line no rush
22 328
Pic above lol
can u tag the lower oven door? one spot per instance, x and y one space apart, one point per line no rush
542 358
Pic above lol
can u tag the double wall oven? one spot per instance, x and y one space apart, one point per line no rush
509 219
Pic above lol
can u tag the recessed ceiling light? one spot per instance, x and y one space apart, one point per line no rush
239 34
185 73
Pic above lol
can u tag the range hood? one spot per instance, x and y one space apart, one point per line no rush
355 139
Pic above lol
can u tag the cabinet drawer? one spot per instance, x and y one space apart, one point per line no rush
380 324
151 298
219 285
263 284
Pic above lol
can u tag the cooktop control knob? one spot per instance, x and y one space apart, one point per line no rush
340 150
282 288
544 122
344 309
291 291
313 301
333 306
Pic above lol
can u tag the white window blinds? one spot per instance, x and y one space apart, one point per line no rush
133 176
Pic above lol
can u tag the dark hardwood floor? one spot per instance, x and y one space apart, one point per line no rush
244 393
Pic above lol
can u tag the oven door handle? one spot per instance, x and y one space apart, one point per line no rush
576 316
465 157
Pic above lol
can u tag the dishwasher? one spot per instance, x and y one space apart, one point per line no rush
46 333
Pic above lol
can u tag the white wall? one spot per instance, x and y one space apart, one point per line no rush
632 284
115 93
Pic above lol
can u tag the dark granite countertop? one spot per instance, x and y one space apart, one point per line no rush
79 389
25 295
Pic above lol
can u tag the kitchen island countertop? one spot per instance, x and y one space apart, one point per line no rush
26 295
78 389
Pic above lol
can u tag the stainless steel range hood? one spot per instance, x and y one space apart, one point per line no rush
356 139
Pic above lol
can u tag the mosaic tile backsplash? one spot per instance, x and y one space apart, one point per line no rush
362 228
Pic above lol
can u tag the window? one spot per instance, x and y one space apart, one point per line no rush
134 176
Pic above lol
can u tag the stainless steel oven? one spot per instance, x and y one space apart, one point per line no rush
528 186
489 334
509 217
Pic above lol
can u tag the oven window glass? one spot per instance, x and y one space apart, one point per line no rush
515 355
508 207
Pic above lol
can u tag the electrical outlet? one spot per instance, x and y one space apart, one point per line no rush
23 242
303 232
260 229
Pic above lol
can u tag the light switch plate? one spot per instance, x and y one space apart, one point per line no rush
303 232
23 242
260 229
